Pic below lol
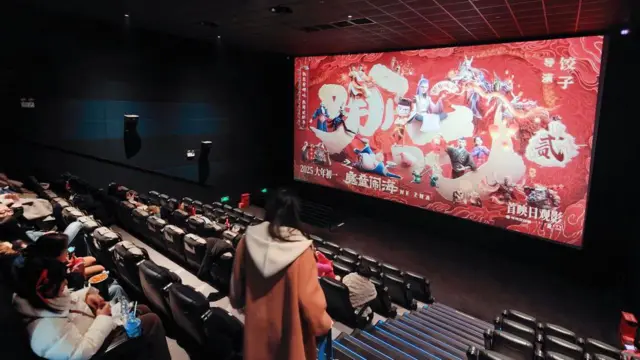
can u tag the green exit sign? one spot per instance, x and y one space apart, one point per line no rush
264 191
224 199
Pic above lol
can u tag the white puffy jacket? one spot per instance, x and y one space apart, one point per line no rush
73 334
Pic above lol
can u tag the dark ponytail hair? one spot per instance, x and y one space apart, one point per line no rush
283 209
38 280
48 246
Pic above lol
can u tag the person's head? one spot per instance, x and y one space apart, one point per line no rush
423 86
40 281
462 142
477 141
365 270
51 245
283 209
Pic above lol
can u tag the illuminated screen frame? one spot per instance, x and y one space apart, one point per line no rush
597 109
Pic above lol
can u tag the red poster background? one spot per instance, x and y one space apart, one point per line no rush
525 61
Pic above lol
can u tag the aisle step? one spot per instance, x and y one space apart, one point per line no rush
444 308
458 328
342 353
382 346
434 349
362 349
467 337
452 319
447 343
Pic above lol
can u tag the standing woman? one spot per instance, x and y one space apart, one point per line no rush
275 280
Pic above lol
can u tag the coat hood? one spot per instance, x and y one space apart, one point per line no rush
273 255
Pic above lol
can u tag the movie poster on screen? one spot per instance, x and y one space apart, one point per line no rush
499 134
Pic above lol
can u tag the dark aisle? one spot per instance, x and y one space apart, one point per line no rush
483 284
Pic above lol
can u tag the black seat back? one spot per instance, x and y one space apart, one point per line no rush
550 355
194 250
520 317
154 280
517 329
179 218
174 240
60 202
317 240
373 264
392 270
195 224
351 254
420 286
557 345
163 200
228 333
71 214
139 217
207 210
187 201
126 257
328 253
188 307
332 246
509 345
559 332
482 354
382 304
168 207
338 304
221 269
593 346
399 291
343 265
198 206
155 225
154 198
100 244
217 205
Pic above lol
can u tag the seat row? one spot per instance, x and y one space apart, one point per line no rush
403 287
215 331
520 336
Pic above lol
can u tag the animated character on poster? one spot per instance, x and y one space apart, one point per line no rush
461 159
480 153
429 113
321 116
367 161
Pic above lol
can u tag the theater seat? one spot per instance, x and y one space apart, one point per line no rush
382 304
163 199
155 225
187 201
228 333
399 292
392 270
203 227
194 250
550 355
516 329
167 209
140 226
208 211
179 219
155 281
126 257
89 224
174 240
520 317
154 198
234 234
351 254
593 346
60 202
559 332
220 271
227 208
557 345
605 357
219 216
71 214
482 354
317 240
420 287
373 264
328 253
197 205
332 246
101 246
343 268
188 307
339 306
217 205
509 345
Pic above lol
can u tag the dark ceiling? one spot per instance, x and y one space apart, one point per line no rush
327 26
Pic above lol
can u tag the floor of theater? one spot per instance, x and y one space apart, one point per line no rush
478 283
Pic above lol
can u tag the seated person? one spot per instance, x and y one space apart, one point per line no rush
7 257
325 266
216 249
153 210
361 289
55 246
64 324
